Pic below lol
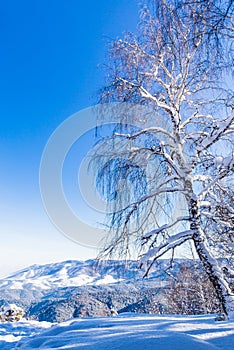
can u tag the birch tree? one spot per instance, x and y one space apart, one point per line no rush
179 66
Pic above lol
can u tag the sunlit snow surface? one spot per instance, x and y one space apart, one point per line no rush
128 331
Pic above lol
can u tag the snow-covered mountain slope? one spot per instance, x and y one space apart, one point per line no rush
59 291
128 331
77 273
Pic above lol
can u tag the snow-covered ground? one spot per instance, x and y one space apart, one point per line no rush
128 331
11 333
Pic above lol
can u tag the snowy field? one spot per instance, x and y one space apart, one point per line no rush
127 331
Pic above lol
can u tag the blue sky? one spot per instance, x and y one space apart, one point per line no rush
49 57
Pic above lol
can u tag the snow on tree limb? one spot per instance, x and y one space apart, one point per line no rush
216 134
171 243
153 129
164 227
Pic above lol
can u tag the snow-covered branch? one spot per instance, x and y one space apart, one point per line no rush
225 168
153 129
155 232
216 134
171 243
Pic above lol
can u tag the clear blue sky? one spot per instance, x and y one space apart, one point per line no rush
49 56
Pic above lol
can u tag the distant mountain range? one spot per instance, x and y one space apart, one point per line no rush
74 273
58 291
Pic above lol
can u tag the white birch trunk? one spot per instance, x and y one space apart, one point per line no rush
210 264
